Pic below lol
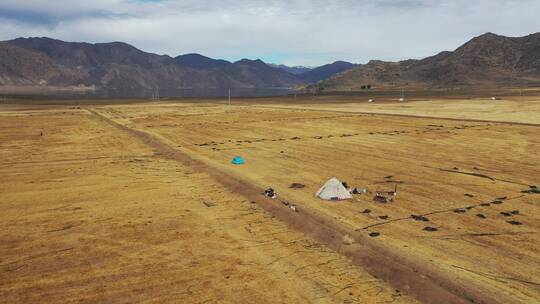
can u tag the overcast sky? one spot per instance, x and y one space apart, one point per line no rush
293 32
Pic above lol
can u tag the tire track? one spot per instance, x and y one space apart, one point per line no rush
503 122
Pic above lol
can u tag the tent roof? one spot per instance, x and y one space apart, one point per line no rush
238 160
333 189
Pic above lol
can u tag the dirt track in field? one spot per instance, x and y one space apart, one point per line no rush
509 110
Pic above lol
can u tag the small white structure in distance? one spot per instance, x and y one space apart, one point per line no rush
495 98
333 190
371 100
401 99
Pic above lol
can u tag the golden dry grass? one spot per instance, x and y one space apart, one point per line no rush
92 214
451 171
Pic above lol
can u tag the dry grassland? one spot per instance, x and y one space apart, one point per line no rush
99 208
91 214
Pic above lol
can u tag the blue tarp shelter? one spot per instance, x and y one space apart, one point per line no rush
238 160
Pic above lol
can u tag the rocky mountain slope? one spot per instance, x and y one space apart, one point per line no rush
197 61
124 69
485 60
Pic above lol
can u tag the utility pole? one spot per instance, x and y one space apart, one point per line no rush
229 97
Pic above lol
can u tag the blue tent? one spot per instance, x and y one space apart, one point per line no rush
238 160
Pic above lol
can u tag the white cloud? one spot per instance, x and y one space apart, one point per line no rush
293 32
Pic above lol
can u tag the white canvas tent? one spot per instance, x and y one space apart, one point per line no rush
333 190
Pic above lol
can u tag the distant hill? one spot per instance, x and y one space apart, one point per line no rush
259 74
489 59
121 68
313 75
295 70
326 71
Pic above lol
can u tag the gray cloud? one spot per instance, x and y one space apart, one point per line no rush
292 32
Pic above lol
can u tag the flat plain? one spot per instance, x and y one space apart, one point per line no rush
139 202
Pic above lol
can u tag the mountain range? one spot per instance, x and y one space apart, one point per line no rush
487 60
119 69
127 71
